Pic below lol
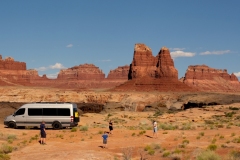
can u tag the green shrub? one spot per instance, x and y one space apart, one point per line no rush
233 108
141 132
236 140
133 134
212 147
166 153
83 128
151 152
166 126
4 156
147 148
229 114
201 134
155 146
208 155
185 141
11 136
214 140
5 149
74 129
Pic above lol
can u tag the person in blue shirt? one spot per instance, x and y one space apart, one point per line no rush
105 137
43 133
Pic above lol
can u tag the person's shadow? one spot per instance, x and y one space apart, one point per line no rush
101 146
148 136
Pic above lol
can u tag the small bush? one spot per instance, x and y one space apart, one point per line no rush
236 140
5 149
185 141
208 155
229 114
147 148
141 132
133 134
4 156
233 108
83 128
201 134
166 154
151 152
212 147
74 129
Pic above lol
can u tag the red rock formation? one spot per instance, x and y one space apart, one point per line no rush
210 79
119 73
82 72
9 64
152 73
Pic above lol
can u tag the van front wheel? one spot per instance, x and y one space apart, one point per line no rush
12 125
57 125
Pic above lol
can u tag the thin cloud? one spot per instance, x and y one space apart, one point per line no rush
41 69
177 49
237 74
55 66
69 46
52 75
178 53
215 52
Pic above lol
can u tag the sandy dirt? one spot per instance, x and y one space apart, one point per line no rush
196 130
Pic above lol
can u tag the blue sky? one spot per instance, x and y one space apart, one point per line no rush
50 35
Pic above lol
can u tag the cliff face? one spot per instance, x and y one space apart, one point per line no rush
152 73
82 72
9 64
210 79
120 73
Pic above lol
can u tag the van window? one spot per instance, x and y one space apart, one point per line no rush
63 111
35 111
21 111
49 111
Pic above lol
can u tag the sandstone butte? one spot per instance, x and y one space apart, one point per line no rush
84 76
148 72
209 79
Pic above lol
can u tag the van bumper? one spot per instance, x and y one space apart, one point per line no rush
73 124
5 123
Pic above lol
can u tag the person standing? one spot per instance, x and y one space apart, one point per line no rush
105 137
155 129
43 133
110 127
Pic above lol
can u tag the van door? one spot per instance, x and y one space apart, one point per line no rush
20 117
76 115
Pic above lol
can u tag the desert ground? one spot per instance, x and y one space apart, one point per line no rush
186 135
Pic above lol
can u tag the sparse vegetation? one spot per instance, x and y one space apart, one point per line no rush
83 128
208 155
212 147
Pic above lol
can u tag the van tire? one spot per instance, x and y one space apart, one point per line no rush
12 125
57 125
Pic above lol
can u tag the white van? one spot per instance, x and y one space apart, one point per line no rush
55 115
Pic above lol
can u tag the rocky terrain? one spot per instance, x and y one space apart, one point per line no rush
189 134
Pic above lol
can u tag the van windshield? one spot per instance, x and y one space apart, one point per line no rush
21 111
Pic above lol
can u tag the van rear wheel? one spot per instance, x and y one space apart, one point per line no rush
57 125
12 125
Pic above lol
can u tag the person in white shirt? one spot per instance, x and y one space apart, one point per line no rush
155 129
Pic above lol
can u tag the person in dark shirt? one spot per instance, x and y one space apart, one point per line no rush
105 137
110 127
43 133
